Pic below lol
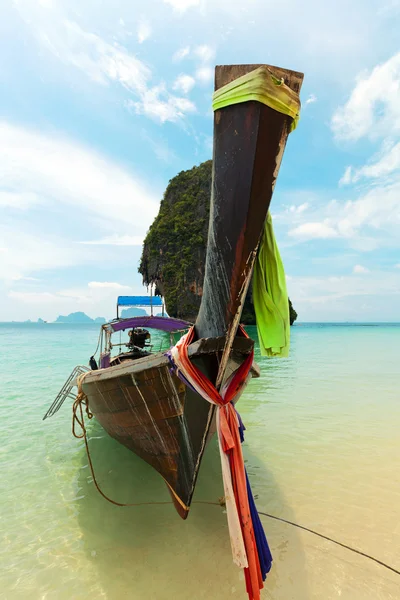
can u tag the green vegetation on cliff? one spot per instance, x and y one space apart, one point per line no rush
174 249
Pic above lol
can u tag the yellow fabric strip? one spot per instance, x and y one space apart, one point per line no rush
260 85
270 298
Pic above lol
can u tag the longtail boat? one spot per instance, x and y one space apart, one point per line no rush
137 396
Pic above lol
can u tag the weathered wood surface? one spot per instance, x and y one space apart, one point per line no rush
249 140
201 347
149 410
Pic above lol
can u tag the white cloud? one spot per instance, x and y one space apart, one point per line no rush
182 5
302 207
184 83
321 298
388 163
95 299
308 231
109 285
100 61
397 266
205 53
379 208
57 170
298 208
181 54
34 297
159 105
359 269
29 253
373 111
205 74
320 289
389 8
19 278
373 108
161 147
347 176
311 99
116 240
144 31
371 221
344 44
75 184
105 63
16 200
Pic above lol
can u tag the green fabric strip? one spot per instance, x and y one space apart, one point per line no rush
270 297
260 85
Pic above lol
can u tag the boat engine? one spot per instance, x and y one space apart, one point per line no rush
138 337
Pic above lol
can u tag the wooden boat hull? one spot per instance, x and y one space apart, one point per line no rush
148 409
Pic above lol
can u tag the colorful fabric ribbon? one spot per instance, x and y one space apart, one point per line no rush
260 85
270 298
249 545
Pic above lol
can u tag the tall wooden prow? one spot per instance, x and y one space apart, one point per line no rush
249 140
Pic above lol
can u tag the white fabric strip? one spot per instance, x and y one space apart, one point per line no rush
235 531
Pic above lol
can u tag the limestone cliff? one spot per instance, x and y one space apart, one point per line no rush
174 249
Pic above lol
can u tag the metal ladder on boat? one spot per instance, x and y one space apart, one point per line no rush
66 391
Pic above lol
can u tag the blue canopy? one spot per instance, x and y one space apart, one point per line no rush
139 301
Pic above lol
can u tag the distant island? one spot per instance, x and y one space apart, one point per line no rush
78 318
126 313
81 318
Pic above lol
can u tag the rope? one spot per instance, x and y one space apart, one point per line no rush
325 537
98 342
81 400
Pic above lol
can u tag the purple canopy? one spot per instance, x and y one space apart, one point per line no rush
163 323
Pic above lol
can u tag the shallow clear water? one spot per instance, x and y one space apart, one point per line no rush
322 449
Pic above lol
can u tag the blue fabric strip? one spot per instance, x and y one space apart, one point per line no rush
242 428
264 553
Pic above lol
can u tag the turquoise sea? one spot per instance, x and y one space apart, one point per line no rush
322 449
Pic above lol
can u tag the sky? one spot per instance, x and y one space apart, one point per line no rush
101 104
